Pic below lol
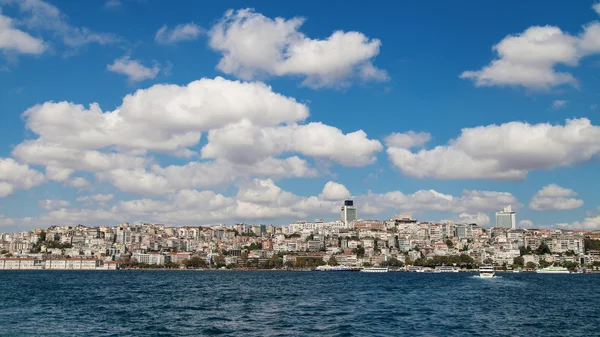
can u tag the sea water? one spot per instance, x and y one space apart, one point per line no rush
272 303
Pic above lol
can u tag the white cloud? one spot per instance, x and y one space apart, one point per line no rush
596 7
5 221
554 197
559 104
113 4
18 41
590 223
471 201
115 144
480 219
254 45
525 224
78 182
42 15
57 173
262 200
183 32
200 106
15 176
49 204
163 180
246 143
530 59
96 197
334 191
407 140
507 151
133 69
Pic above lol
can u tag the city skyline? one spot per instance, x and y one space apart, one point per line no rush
120 111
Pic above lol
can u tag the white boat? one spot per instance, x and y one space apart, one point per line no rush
486 271
335 268
445 269
516 270
375 270
553 270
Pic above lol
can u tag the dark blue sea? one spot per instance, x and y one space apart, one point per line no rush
231 303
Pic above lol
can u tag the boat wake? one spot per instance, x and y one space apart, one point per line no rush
483 278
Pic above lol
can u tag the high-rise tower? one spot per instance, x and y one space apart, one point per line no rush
349 212
506 218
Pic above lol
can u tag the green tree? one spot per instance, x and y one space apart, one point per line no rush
332 261
524 250
219 261
544 264
570 265
359 251
172 265
519 260
449 243
394 262
543 249
194 262
367 264
591 244
530 265
488 261
466 259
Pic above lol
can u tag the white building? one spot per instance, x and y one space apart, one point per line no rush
506 218
349 212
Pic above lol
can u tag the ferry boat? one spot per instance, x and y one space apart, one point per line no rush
375 270
445 269
335 268
486 271
553 270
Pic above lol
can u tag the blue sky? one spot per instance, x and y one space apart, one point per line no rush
252 111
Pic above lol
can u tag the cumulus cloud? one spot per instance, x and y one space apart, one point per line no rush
113 4
246 143
17 41
334 191
5 221
96 197
504 152
78 182
559 104
183 32
530 59
525 224
15 176
407 140
479 218
263 200
38 14
554 197
471 201
589 223
70 130
133 69
254 45
49 204
596 7
160 180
